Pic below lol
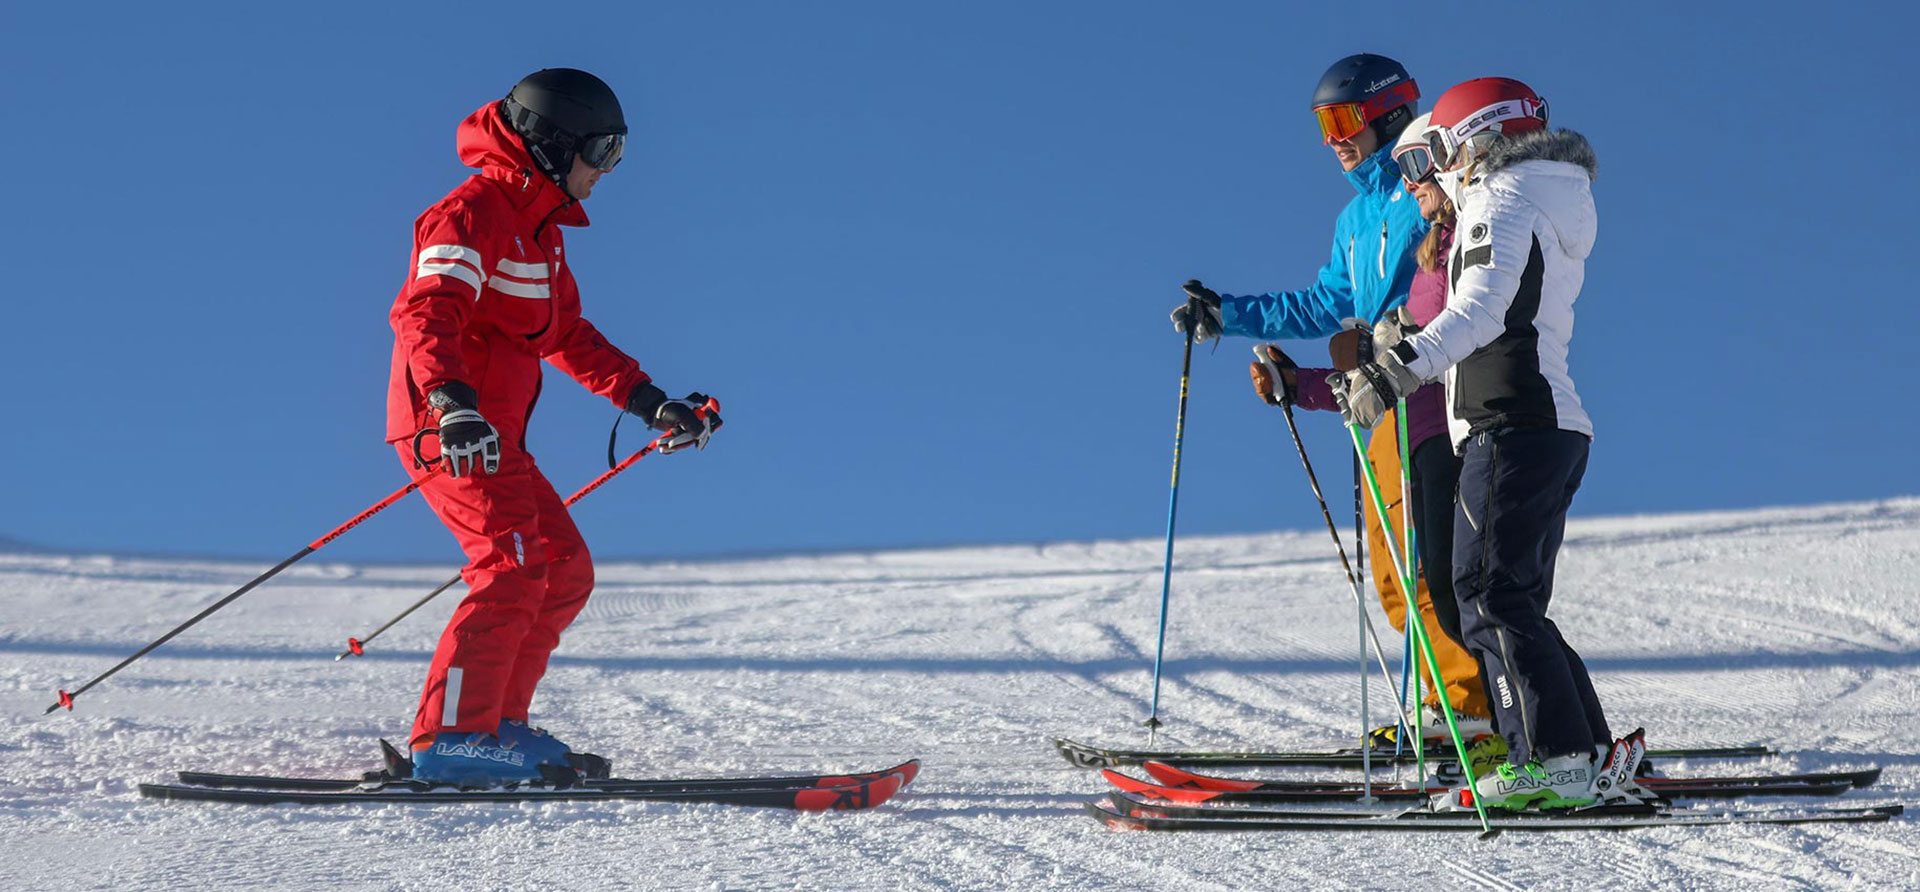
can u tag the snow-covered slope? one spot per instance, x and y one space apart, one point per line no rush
1798 628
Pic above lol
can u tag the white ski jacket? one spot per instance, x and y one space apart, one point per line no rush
1526 225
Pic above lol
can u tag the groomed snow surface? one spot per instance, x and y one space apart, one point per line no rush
1797 628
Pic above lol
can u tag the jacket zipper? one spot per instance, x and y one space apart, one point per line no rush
1383 248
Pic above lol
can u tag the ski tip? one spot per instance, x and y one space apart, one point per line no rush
1113 820
1080 755
1139 787
853 797
1170 776
906 771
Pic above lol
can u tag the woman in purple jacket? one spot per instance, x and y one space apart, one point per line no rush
1436 470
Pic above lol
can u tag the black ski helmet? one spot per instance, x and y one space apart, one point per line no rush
1377 83
561 112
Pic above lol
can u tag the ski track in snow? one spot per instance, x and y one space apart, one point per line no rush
1794 627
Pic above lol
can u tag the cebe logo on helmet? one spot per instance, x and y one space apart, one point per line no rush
563 112
1474 114
1358 90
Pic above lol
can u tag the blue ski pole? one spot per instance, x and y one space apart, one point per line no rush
1153 722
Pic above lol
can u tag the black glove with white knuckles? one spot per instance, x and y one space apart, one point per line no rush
468 444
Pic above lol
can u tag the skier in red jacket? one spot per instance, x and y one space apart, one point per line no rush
488 296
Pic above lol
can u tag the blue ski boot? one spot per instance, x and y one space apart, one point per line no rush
535 742
546 749
480 760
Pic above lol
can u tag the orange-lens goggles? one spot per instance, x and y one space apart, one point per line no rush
1340 122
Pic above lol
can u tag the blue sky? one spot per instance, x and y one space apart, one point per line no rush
923 254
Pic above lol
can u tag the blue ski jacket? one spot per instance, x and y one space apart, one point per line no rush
1369 274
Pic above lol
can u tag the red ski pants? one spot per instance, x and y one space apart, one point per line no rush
528 574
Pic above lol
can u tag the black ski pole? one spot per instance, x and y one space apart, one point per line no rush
1353 577
66 699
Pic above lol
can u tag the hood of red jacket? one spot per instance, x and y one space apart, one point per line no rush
486 142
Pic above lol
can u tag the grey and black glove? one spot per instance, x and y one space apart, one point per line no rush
1200 313
1366 393
468 444
1392 329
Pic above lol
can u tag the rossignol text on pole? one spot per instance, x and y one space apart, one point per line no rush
66 698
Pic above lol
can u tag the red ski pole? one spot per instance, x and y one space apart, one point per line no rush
66 699
357 647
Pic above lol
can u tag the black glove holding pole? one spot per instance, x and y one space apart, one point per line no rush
1199 314
468 444
691 421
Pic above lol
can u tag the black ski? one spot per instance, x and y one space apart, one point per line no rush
1714 788
1087 756
908 770
1121 812
856 795
1818 783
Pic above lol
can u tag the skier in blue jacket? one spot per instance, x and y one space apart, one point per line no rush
1362 104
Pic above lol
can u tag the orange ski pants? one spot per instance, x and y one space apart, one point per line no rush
1465 693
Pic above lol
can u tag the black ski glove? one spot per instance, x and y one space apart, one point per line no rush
468 444
688 420
1199 314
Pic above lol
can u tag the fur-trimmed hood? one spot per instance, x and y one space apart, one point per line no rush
1542 145
1552 171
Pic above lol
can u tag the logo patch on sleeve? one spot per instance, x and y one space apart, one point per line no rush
1478 233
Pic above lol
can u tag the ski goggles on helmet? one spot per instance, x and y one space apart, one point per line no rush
1416 163
1342 121
549 142
603 151
1455 145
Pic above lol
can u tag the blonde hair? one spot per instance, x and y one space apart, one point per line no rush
1429 254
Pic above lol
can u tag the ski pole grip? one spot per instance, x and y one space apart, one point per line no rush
419 459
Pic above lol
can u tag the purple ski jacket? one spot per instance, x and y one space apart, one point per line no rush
1426 407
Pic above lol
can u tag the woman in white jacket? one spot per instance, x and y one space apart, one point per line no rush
1526 225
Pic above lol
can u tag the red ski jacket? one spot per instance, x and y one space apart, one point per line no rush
489 295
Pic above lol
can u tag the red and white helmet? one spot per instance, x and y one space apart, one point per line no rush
1472 115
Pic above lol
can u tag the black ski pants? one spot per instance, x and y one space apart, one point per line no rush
1436 478
1515 487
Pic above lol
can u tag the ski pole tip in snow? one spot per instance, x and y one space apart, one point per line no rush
65 700
355 648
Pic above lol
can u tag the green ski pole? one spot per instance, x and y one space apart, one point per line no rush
1425 646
